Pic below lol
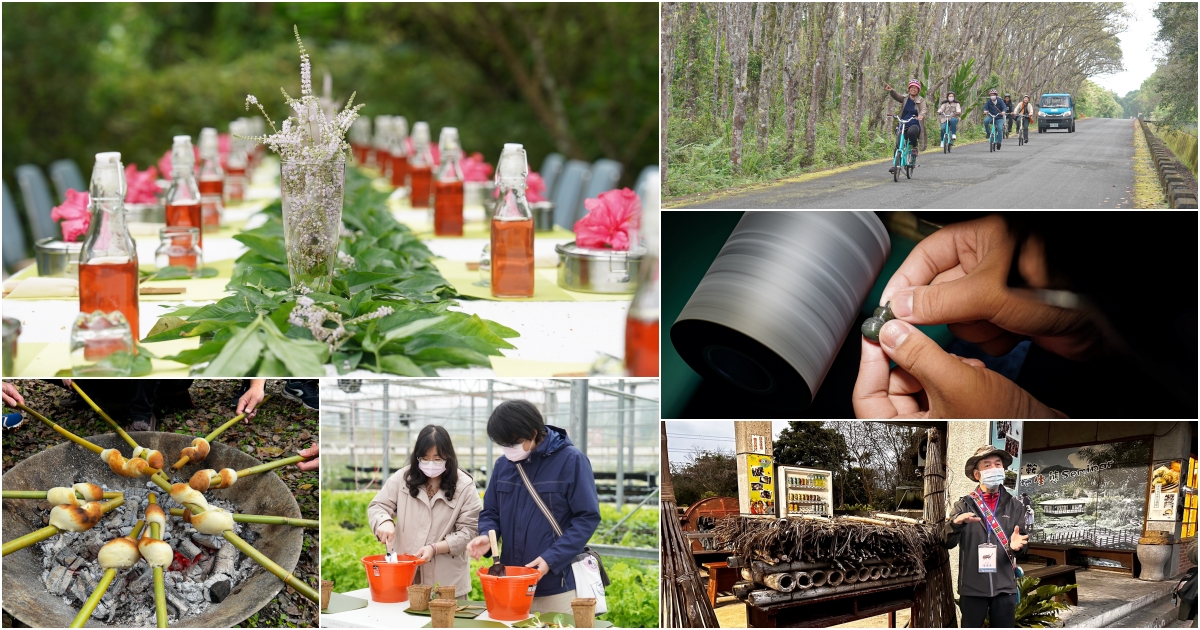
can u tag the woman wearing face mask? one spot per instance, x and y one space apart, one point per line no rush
430 509
1024 110
986 527
949 110
562 477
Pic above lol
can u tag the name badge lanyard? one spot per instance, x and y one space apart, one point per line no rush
994 525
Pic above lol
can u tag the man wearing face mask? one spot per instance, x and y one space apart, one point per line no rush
562 477
993 107
949 111
986 526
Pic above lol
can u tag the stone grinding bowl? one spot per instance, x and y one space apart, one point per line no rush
26 598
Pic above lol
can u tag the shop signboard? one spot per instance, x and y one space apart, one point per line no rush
1164 490
762 484
1006 436
1093 496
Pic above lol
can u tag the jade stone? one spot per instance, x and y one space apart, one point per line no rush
870 328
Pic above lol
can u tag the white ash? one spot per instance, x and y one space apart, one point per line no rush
72 572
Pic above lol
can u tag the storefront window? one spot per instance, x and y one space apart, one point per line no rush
1093 496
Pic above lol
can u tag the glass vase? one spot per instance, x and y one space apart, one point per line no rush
312 220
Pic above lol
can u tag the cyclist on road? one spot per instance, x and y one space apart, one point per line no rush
1024 110
915 108
950 110
1008 107
993 107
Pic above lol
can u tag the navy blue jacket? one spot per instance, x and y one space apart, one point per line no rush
562 476
994 108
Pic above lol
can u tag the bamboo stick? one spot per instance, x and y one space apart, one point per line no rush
265 520
684 599
89 606
254 470
65 433
867 520
160 591
902 519
41 494
37 536
270 565
184 459
124 436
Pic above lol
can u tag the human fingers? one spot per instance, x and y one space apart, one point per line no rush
920 356
311 451
987 336
933 255
870 395
311 464
12 397
905 393
971 362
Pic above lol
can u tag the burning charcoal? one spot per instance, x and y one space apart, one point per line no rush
225 558
217 588
77 564
208 541
192 591
196 571
187 548
79 590
143 582
60 579
102 611
65 556
206 566
179 603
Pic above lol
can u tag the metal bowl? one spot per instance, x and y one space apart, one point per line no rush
597 270
57 259
478 193
26 599
146 212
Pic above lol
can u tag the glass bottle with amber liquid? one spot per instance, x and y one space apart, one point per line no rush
420 167
236 164
183 198
211 181
108 265
398 149
641 326
448 186
379 156
512 227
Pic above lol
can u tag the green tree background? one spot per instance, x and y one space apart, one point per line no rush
577 78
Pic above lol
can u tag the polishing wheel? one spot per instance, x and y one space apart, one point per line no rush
778 301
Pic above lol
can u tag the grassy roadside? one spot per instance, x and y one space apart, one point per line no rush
1147 193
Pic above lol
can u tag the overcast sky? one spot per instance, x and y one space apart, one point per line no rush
1137 50
686 437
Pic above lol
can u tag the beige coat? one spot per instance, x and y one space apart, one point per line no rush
423 521
922 111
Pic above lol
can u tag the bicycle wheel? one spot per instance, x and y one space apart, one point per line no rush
895 170
908 172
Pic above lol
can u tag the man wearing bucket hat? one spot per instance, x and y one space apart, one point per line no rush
986 526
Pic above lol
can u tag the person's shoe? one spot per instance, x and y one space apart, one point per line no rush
143 425
303 392
943 144
892 170
953 137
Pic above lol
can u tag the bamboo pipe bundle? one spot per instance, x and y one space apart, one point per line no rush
840 542
782 582
864 574
684 599
936 595
803 580
833 577
819 578
851 577
766 597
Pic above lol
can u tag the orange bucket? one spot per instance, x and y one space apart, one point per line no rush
390 580
509 598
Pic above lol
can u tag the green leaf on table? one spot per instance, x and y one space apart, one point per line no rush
399 364
354 309
271 366
346 362
299 356
183 311
358 280
263 245
206 352
409 330
141 365
166 323
240 354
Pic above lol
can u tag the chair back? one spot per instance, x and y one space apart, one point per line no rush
551 168
605 175
568 193
38 202
66 176
641 178
14 233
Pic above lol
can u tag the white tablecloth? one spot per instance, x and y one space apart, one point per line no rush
564 332
377 615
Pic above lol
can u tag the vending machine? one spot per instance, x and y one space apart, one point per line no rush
804 491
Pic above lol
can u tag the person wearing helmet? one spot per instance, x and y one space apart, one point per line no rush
949 110
992 107
1008 104
915 108
1024 110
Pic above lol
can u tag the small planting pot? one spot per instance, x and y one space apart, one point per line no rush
441 611
326 591
584 609
444 592
418 597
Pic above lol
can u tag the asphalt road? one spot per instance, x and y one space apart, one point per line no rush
1091 168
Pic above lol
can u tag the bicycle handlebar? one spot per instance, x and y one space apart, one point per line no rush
901 119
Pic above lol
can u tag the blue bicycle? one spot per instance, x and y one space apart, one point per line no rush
994 137
947 139
903 157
